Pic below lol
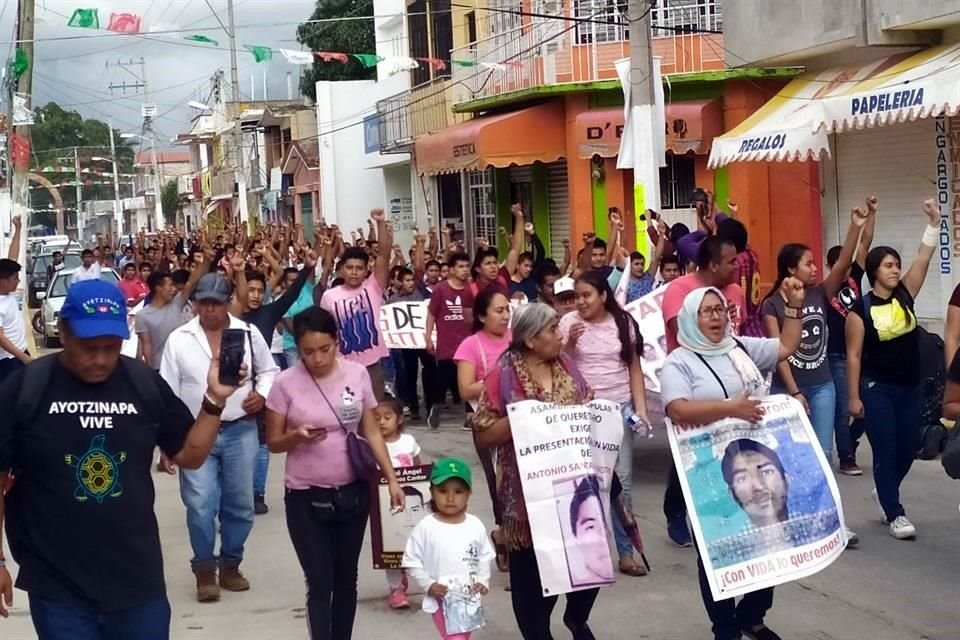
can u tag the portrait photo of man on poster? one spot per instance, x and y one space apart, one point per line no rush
585 530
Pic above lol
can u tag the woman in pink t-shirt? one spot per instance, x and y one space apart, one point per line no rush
311 408
476 357
605 344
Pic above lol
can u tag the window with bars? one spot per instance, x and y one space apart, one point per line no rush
419 40
483 211
677 182
607 23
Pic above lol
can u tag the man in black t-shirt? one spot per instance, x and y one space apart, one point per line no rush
80 441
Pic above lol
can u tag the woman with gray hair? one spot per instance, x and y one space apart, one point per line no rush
533 368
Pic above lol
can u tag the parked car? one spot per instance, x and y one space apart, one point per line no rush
37 276
52 301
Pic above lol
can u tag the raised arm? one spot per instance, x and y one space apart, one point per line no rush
613 244
567 257
197 273
866 235
433 242
913 280
13 252
583 263
418 256
654 264
385 233
838 274
516 245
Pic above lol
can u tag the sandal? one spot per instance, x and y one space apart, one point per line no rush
503 556
629 566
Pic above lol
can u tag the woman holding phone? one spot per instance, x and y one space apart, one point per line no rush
311 409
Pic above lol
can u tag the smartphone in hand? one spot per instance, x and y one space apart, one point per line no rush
231 356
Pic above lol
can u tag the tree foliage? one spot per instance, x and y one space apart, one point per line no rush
347 36
54 134
170 202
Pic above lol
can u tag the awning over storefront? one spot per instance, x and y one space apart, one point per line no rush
522 137
691 126
795 123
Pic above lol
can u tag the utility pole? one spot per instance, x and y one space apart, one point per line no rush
238 134
646 164
76 170
117 209
20 193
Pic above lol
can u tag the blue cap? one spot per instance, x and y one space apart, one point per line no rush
95 309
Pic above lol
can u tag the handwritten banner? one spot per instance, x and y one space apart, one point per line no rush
762 499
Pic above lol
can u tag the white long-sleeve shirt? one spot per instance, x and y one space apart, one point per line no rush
445 553
186 363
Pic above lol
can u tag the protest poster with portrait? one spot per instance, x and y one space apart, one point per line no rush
761 497
566 455
647 312
391 529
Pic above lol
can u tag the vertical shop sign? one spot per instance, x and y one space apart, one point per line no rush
945 250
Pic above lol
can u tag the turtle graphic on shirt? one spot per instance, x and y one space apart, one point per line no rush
98 474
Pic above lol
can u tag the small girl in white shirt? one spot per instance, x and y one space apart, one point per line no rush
449 550
404 452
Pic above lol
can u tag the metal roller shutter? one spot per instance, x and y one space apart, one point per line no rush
897 164
559 202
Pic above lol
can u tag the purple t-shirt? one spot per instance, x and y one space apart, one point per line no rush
358 314
295 395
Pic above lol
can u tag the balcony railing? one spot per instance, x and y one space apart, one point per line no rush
393 117
223 182
546 51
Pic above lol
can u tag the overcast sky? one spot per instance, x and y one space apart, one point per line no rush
73 72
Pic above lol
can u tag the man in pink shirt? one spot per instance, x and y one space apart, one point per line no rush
356 304
716 267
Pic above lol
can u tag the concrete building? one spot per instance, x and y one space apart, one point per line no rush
872 115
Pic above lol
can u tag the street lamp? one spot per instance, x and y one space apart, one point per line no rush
158 208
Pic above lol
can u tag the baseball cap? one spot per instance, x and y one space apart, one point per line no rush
95 309
212 286
563 285
446 468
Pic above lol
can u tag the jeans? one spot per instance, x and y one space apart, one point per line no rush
413 359
328 547
847 434
292 356
892 414
446 381
624 472
222 486
674 506
822 399
532 609
62 621
281 360
726 616
260 471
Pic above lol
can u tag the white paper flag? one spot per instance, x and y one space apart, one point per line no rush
297 57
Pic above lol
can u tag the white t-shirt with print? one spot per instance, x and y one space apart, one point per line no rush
448 554
403 451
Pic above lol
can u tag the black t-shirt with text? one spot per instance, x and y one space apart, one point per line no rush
891 360
80 518
840 305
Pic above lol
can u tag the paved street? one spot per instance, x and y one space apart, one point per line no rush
885 590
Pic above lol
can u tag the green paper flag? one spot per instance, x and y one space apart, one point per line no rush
367 59
201 38
464 63
84 19
19 64
260 54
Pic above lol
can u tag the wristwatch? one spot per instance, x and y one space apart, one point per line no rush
791 312
211 407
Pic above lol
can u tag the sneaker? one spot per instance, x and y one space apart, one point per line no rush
876 501
406 412
902 529
852 538
433 418
259 506
760 632
398 599
466 427
678 531
850 468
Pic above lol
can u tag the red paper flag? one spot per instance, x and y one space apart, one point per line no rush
436 63
124 23
329 56
19 151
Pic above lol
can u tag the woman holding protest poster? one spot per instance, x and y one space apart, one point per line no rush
476 357
533 368
713 376
883 368
605 343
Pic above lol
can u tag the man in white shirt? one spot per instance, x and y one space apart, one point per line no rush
224 484
89 270
13 334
